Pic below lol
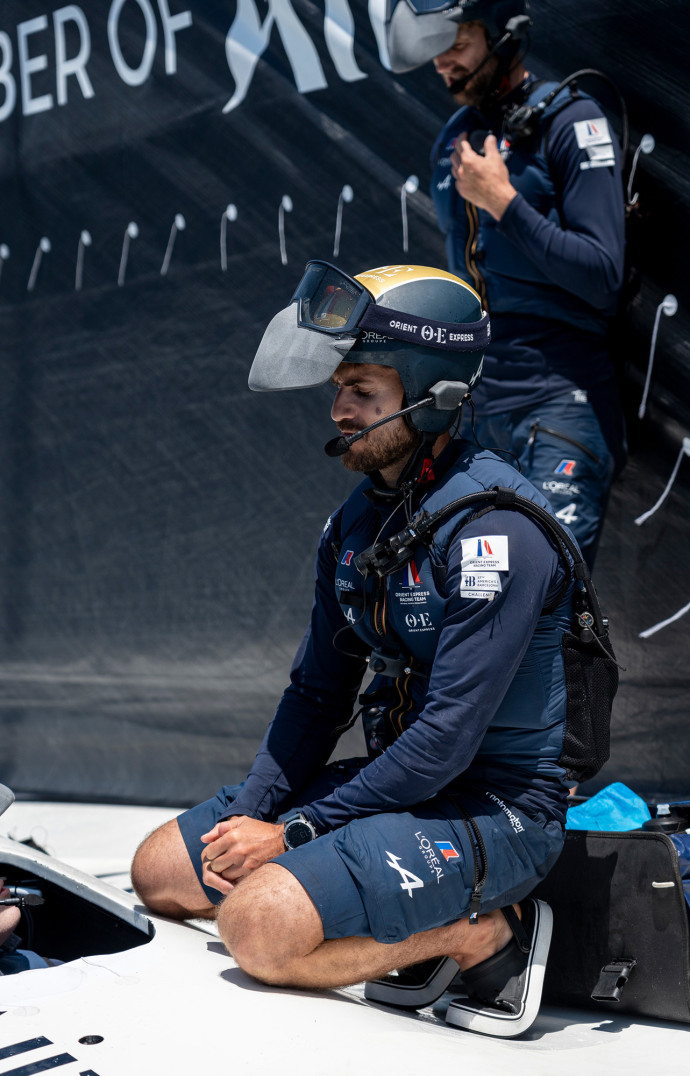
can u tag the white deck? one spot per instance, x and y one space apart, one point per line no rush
179 1005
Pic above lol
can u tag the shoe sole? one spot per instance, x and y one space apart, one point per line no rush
487 1021
413 995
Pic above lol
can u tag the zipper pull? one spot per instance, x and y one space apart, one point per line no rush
532 434
475 901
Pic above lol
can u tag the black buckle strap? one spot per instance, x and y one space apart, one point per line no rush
519 932
612 978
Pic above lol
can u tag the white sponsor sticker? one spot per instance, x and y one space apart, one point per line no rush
487 553
480 585
586 165
601 153
592 133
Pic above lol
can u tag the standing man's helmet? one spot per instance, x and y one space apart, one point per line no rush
419 30
425 323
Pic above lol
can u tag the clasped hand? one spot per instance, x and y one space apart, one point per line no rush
482 180
236 847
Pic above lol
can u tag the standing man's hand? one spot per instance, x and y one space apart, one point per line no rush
10 914
236 847
484 181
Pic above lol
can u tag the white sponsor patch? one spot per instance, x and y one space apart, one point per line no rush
487 553
592 133
594 137
480 585
607 163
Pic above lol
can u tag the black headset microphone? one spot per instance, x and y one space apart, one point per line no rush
444 396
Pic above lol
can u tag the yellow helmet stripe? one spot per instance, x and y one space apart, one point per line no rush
379 281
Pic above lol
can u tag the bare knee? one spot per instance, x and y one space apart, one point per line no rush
164 878
244 924
152 869
267 921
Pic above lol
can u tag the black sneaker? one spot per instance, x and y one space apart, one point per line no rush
504 992
414 987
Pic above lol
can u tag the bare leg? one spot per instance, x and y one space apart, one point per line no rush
273 930
164 878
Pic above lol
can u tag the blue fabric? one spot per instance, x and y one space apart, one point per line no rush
482 716
614 808
550 271
491 710
393 875
348 872
204 816
569 448
12 963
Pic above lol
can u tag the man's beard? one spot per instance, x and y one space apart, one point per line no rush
393 444
479 88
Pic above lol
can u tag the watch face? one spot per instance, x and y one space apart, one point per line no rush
297 833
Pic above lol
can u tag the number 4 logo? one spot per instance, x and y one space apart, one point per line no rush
568 514
410 881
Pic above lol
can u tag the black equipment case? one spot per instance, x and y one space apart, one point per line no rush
620 939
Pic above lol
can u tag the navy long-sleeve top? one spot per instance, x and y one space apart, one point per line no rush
551 270
485 705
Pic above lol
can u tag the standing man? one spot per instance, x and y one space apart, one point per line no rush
527 187
427 849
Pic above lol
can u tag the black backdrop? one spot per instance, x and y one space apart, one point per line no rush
158 521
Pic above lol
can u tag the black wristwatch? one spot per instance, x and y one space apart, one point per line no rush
298 831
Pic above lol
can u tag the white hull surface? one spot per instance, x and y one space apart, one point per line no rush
170 1000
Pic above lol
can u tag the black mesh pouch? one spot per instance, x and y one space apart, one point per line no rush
591 676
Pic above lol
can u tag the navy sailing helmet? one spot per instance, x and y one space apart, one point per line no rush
419 30
425 323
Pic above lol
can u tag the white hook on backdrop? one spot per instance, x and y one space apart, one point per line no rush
684 451
4 255
178 225
664 623
346 195
44 247
229 214
285 207
131 232
410 185
646 145
84 241
667 306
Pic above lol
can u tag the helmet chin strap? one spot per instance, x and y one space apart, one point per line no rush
419 468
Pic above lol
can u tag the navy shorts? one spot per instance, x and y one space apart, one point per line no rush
203 817
399 873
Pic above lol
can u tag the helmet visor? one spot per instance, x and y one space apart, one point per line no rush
292 357
305 342
413 41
